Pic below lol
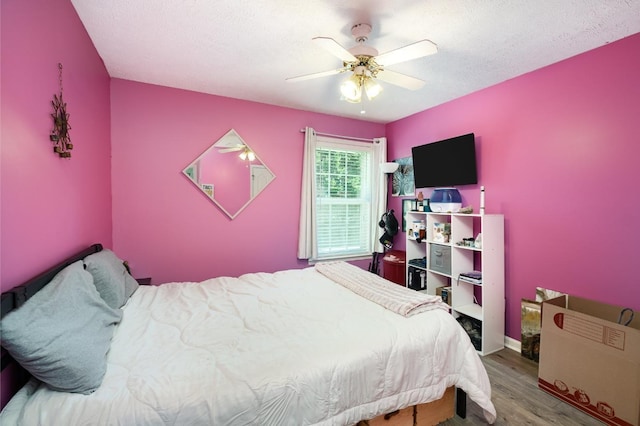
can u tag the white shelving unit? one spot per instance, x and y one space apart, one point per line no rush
481 302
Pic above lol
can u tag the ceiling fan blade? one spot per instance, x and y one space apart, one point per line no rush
415 50
399 79
316 75
225 150
333 47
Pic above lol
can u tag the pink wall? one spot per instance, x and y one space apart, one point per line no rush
558 155
167 228
50 207
557 150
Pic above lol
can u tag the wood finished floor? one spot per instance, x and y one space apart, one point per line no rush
517 398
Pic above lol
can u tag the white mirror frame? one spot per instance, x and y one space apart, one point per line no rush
219 168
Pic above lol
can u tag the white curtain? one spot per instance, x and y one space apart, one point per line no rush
307 247
379 201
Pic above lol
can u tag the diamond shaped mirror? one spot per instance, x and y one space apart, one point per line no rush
229 173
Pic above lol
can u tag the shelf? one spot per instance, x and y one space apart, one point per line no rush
439 243
422 268
466 214
439 273
472 310
464 247
458 259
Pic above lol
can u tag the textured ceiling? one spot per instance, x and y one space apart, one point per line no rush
246 49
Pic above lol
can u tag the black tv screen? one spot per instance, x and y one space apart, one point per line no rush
447 162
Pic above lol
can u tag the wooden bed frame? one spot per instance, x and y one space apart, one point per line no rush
430 413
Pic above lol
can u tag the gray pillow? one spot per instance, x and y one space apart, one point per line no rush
110 277
62 334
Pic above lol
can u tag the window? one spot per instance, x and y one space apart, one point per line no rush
344 192
343 202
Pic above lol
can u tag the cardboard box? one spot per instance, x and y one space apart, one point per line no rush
445 294
590 361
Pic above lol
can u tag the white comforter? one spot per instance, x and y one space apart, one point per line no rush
290 348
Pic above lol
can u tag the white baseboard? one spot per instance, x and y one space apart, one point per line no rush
512 344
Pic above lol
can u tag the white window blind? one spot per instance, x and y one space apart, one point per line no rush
344 184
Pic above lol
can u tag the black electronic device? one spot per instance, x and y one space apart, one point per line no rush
389 222
414 278
445 163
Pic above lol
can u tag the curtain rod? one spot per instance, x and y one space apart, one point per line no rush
339 136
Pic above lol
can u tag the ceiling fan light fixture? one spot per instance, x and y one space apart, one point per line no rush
351 89
371 88
246 153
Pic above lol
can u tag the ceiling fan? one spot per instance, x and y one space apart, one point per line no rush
234 144
245 151
367 66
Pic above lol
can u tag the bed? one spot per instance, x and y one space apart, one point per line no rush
324 345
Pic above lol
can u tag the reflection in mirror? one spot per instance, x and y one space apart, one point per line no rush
230 173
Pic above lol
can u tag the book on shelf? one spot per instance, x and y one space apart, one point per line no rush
474 277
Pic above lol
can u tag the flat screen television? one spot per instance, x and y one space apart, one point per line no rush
448 162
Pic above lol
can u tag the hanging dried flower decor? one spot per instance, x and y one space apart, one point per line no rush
60 134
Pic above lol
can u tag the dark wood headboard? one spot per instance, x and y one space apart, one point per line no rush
14 298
